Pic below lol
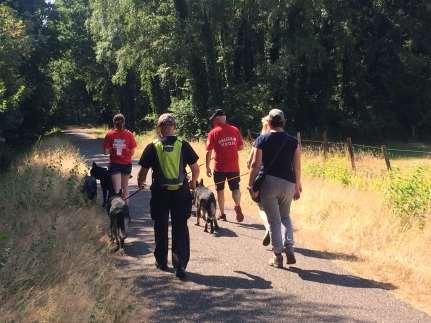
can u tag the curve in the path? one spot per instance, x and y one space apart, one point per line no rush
229 279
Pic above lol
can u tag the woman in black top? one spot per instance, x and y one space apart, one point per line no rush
282 183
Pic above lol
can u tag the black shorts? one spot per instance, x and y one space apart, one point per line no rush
232 178
120 168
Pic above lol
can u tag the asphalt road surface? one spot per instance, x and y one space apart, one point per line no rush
228 278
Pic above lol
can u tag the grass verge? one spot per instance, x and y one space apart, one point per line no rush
53 261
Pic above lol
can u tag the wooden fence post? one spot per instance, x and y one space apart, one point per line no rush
350 152
325 145
385 155
298 137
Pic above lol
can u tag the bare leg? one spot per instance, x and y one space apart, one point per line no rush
220 199
125 185
116 182
236 196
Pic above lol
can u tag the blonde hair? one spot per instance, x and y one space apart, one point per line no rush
265 125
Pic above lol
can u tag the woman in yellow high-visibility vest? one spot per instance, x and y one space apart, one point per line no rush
168 157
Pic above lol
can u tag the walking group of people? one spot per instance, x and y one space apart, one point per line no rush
274 179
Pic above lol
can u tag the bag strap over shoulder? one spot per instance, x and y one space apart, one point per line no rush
276 155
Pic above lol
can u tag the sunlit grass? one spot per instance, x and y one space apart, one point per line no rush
53 264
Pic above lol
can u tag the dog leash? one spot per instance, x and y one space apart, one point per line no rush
133 194
203 164
228 179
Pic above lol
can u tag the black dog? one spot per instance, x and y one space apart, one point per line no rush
119 219
90 187
102 174
206 206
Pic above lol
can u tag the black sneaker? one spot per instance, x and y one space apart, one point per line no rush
163 267
222 217
180 273
290 255
266 239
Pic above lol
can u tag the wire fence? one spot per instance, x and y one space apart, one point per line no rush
326 146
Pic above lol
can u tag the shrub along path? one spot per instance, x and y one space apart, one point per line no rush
229 279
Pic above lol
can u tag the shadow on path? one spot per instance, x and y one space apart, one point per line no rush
325 254
228 299
324 277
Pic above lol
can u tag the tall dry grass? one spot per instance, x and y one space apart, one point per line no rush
53 261
348 214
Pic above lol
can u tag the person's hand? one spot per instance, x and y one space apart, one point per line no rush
298 191
209 172
142 185
254 195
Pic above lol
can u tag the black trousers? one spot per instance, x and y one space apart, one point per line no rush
178 204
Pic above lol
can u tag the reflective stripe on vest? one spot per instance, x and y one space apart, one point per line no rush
171 164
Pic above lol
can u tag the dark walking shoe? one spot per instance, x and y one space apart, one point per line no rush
290 255
276 261
222 217
180 273
239 215
163 267
266 239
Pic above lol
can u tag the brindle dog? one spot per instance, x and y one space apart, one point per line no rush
206 206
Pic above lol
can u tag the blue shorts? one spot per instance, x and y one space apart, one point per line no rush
120 169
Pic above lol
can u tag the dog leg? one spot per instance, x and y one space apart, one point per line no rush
206 226
216 227
212 226
198 215
105 197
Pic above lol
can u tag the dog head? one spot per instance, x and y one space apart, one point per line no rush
97 171
117 206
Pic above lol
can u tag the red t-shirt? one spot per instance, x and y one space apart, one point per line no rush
225 140
121 143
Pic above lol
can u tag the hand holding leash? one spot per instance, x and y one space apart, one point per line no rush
209 172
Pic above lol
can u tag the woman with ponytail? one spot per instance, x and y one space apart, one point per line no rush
120 145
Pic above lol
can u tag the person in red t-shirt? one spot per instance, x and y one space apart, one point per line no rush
226 141
120 145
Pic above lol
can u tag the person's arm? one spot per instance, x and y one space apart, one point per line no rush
195 175
297 169
132 145
107 145
146 162
208 157
255 166
250 158
240 142
142 177
208 162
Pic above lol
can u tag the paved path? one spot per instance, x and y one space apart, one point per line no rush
229 279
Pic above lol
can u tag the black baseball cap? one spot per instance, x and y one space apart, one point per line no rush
217 113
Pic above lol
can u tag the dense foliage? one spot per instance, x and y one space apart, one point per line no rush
358 68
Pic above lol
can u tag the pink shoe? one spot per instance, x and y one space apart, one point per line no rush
239 215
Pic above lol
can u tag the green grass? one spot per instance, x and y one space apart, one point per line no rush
407 188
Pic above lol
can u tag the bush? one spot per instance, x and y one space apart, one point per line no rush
409 196
189 124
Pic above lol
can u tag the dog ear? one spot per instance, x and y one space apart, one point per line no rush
201 183
94 164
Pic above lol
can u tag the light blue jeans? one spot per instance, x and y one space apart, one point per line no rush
276 196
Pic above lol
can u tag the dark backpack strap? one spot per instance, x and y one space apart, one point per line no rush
276 155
